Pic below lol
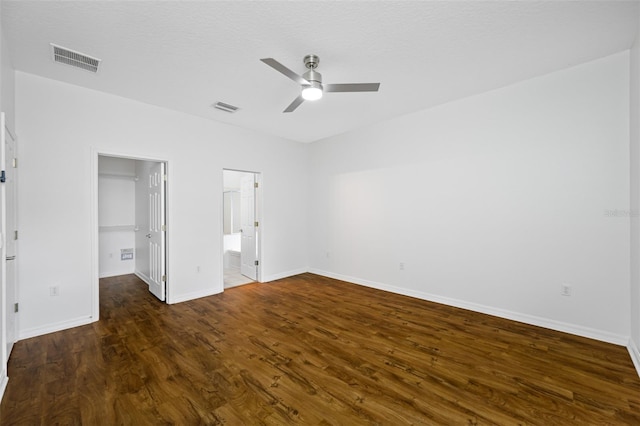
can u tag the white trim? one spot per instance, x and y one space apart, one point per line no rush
577 330
59 326
258 207
3 383
286 274
193 295
634 353
94 232
115 274
143 277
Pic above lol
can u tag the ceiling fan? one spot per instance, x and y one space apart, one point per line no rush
311 82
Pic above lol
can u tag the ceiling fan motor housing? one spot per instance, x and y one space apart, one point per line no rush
312 76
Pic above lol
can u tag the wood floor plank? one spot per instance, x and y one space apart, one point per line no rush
312 350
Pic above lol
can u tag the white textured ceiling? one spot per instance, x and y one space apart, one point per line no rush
187 55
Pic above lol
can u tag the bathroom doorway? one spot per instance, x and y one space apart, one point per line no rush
240 228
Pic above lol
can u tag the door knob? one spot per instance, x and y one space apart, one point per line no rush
148 235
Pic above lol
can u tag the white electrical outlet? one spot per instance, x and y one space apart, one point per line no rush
327 255
402 266
198 269
565 290
54 291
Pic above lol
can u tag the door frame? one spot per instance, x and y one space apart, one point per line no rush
258 200
95 248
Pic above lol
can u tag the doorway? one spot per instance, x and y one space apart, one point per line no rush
241 227
131 220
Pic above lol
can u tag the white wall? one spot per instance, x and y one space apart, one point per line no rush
231 181
116 214
634 152
63 126
491 202
7 91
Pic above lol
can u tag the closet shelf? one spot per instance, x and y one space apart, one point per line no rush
116 228
118 176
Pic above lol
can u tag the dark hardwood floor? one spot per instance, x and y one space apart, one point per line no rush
311 350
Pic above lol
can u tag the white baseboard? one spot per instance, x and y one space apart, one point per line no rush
180 298
114 273
635 354
282 275
577 330
143 277
3 383
52 328
193 295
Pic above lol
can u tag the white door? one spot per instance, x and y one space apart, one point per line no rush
9 234
10 205
248 252
156 235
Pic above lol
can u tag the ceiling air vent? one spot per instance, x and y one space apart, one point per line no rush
75 59
225 107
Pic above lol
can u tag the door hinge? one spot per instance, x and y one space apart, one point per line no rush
15 234
3 177
15 307
164 278
14 163
255 224
164 227
257 262
255 184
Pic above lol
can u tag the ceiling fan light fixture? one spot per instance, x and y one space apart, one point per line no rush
312 92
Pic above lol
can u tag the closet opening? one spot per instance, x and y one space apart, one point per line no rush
130 210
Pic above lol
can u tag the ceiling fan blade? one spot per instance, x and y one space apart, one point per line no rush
295 104
284 70
353 87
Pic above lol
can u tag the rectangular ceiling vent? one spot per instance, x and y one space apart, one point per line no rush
225 107
75 59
